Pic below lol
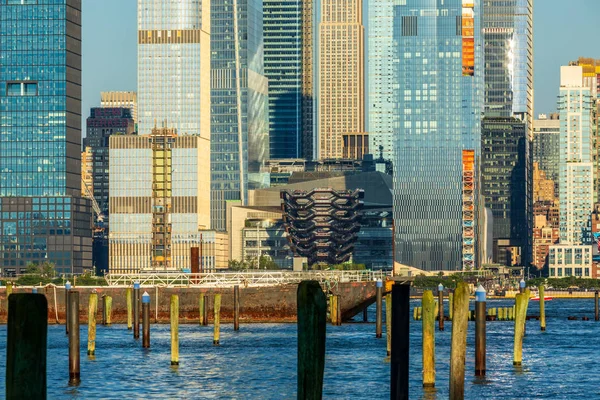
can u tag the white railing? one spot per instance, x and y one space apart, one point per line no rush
249 278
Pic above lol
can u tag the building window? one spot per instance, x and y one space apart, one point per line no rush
552 271
20 2
21 89
579 271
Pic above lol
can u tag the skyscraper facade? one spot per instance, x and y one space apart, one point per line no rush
382 61
101 124
341 107
43 217
576 168
546 145
438 109
239 104
158 200
508 43
283 68
308 87
120 100
174 66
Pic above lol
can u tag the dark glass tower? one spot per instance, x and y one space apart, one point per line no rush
283 67
42 215
507 183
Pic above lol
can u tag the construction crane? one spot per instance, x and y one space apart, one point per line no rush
90 195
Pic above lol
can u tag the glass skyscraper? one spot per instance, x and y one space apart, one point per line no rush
283 68
43 217
239 104
438 108
382 86
507 181
174 66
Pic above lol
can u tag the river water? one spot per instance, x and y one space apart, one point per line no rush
259 361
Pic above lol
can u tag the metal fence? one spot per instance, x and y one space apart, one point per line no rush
247 278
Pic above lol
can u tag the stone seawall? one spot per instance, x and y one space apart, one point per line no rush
257 304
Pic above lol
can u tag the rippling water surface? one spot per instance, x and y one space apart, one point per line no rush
259 361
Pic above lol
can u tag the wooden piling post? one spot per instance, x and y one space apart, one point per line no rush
388 322
441 307
73 323
146 320
459 341
108 310
366 314
9 289
501 314
205 311
400 341
543 308
136 310
378 317
201 306
480 331
311 311
428 329
415 313
217 311
92 309
596 316
450 304
129 308
522 301
174 329
26 343
236 308
67 289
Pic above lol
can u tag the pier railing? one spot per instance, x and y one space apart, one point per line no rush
249 278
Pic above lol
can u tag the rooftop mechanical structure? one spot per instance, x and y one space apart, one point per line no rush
322 224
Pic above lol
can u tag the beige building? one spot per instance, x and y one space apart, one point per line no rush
120 99
341 75
87 177
543 188
159 202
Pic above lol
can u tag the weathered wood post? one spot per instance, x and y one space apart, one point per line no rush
108 310
388 322
596 316
428 329
92 308
312 307
378 321
543 308
236 308
480 331
67 290
450 304
73 323
522 301
441 307
146 320
26 343
136 310
174 329
201 305
205 311
9 289
129 308
217 317
400 341
459 341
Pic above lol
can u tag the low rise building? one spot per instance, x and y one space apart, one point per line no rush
566 260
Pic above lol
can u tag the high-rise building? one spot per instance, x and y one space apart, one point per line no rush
120 100
42 214
282 27
507 127
308 89
341 106
174 66
101 124
546 145
438 108
239 105
158 202
382 61
576 168
504 182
